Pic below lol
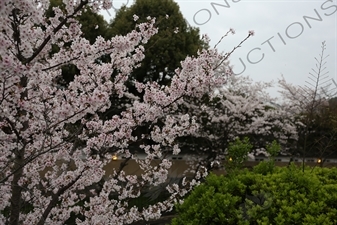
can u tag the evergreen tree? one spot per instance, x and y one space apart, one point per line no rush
165 51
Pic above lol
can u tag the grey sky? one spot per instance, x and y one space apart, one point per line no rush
270 20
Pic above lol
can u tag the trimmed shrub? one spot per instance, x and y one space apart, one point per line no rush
282 196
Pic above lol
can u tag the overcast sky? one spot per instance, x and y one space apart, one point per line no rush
288 34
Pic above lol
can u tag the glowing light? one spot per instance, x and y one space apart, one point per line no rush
114 157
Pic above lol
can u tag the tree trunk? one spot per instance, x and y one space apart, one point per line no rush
16 199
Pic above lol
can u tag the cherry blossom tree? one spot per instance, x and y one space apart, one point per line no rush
54 144
240 108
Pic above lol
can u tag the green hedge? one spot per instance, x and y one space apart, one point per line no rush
264 196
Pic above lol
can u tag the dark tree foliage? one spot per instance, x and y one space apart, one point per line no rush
93 25
166 49
322 131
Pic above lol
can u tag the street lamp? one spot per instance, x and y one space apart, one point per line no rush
114 157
